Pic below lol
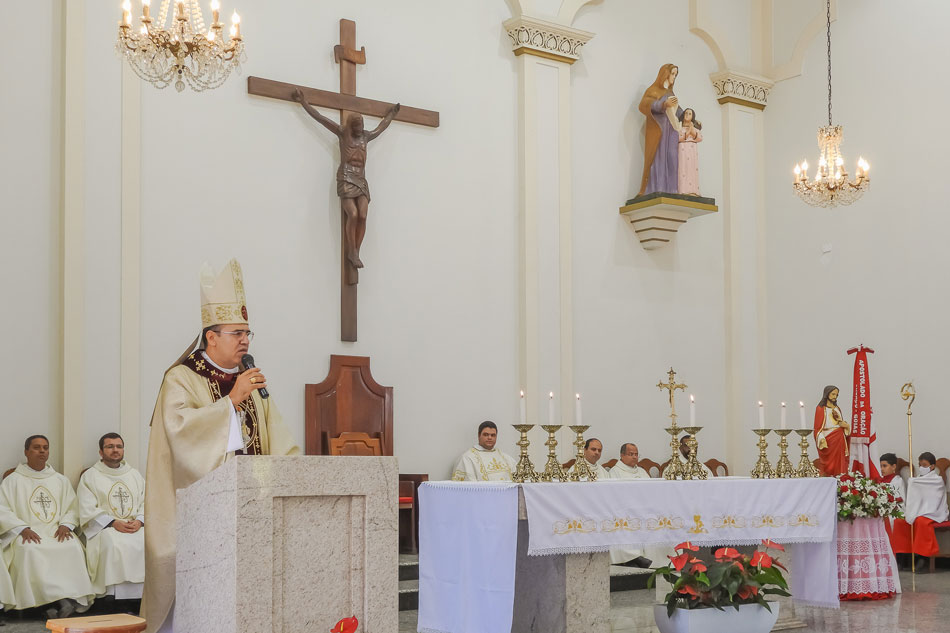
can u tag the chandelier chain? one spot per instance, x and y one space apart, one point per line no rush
828 15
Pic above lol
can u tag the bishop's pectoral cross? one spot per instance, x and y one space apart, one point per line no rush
44 502
672 386
121 496
351 181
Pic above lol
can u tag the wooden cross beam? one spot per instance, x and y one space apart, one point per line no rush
346 102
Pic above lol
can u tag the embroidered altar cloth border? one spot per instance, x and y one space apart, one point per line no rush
596 516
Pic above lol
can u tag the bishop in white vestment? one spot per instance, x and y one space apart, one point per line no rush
38 513
112 515
483 462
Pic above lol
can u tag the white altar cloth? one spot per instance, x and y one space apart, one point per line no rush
462 525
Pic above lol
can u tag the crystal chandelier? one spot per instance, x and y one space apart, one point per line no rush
185 52
831 186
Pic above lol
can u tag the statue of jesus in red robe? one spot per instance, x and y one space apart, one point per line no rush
832 434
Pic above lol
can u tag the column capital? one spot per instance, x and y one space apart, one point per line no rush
744 89
550 40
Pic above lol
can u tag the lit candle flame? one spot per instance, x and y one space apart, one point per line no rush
804 165
235 18
215 5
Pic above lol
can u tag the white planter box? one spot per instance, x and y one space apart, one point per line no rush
750 618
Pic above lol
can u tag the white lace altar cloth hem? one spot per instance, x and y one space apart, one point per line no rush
866 564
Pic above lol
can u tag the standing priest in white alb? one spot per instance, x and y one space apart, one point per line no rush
38 513
483 462
627 468
208 411
112 515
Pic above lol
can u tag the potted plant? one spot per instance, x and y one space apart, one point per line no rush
701 593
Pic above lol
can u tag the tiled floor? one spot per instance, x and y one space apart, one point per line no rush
924 609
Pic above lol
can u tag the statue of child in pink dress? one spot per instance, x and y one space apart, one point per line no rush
688 152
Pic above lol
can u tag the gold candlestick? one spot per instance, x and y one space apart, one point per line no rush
762 469
675 468
693 469
805 466
552 468
783 468
581 470
524 472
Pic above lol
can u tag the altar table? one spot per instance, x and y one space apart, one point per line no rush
484 544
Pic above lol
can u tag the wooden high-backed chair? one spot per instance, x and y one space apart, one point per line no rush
349 413
718 468
653 469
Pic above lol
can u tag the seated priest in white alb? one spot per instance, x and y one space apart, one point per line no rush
38 513
593 449
482 462
684 451
112 515
627 468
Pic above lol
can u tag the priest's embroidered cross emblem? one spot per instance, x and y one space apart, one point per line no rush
43 505
121 500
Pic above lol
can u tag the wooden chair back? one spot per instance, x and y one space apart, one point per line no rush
355 444
7 472
610 463
942 466
348 400
653 469
568 464
718 468
903 470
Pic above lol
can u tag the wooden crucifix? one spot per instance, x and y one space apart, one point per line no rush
351 181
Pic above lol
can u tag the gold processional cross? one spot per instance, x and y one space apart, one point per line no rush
672 386
346 101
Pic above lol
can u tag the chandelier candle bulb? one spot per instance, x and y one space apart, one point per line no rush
783 415
522 407
127 13
692 410
761 416
577 410
801 412
215 14
236 25
145 8
551 408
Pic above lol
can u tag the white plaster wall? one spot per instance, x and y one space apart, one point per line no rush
31 181
883 283
637 312
227 174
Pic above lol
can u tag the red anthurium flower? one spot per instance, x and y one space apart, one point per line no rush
346 625
698 566
761 559
770 544
687 545
746 592
679 561
688 590
738 564
727 552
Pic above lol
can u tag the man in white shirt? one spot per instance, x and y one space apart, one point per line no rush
112 515
593 449
627 468
483 462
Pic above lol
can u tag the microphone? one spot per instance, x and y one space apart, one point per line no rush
248 362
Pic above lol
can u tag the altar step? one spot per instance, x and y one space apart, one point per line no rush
621 579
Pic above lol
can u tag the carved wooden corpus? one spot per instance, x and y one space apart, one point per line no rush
349 400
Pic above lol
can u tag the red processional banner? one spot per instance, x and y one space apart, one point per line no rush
864 454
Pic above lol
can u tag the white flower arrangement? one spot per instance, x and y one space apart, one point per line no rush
860 497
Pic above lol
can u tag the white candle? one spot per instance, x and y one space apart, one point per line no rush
521 405
761 416
551 408
783 415
577 409
801 410
692 410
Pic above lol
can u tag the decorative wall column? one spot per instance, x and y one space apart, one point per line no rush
545 51
743 99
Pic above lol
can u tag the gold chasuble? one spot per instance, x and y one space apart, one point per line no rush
115 559
188 440
47 571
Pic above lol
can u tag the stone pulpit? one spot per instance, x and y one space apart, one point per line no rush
287 544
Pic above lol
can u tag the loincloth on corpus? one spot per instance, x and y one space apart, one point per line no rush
351 185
